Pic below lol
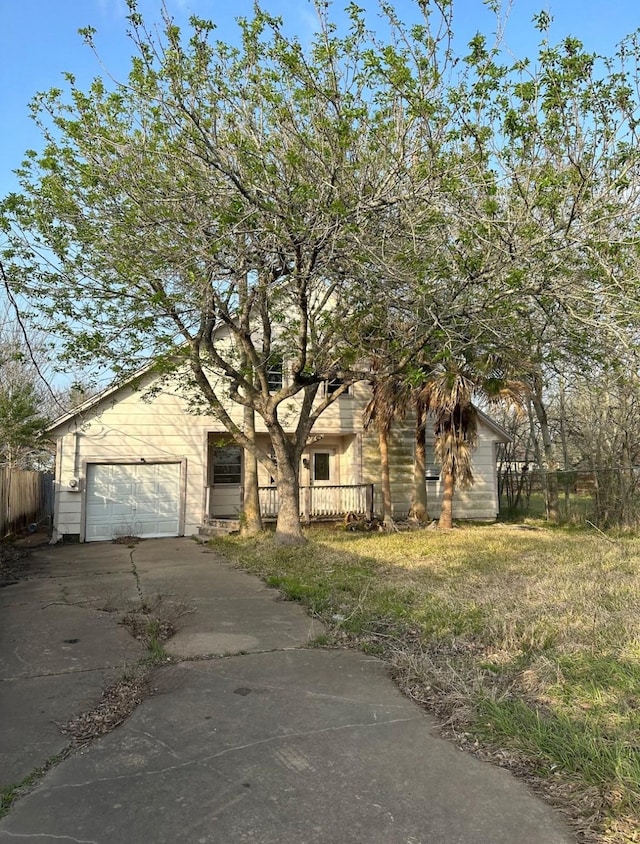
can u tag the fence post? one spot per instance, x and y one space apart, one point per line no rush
369 501
306 504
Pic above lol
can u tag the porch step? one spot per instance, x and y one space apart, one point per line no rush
219 527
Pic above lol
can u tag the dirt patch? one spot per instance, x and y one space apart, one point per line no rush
14 563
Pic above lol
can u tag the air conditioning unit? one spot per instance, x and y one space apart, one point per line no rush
74 485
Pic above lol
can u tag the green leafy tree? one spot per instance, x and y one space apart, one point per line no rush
23 423
550 218
21 427
213 214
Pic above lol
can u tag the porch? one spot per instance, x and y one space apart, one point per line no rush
330 475
322 502
317 503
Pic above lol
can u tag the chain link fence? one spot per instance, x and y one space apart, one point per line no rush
607 498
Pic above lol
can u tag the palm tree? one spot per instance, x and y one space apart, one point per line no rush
389 401
448 395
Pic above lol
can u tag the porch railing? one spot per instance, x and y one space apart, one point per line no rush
322 502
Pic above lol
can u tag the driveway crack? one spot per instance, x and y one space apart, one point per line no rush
284 737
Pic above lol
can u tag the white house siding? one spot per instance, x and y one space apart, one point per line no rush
479 502
400 464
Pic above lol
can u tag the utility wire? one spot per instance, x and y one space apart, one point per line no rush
25 336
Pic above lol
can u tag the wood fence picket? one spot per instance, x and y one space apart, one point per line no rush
25 497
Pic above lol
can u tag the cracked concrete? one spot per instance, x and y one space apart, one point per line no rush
279 743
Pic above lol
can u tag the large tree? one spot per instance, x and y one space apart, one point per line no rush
230 211
550 217
213 214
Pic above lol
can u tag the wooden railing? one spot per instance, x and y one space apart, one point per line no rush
322 502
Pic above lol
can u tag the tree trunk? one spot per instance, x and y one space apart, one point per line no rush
419 497
625 516
251 521
565 448
549 464
446 508
385 476
288 527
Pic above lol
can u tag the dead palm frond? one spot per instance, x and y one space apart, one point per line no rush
390 397
456 436
448 395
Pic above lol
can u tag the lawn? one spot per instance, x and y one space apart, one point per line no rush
524 641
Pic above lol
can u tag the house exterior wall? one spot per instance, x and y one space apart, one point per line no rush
127 426
479 502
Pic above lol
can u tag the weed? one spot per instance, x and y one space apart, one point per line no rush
10 793
156 619
157 655
322 640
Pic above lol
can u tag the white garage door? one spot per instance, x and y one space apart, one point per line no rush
132 499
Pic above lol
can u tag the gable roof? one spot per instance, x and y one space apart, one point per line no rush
494 426
95 400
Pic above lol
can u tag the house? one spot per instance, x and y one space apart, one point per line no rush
136 460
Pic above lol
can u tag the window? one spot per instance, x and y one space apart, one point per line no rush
274 376
334 385
227 465
321 467
432 469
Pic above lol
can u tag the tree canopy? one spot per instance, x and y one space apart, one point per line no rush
228 209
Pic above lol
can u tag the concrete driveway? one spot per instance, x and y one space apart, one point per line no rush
248 735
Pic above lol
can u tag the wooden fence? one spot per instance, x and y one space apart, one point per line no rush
25 497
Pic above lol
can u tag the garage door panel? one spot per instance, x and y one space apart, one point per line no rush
137 499
119 470
162 505
119 508
95 512
155 528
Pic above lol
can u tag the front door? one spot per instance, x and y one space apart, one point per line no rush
323 497
322 467
225 480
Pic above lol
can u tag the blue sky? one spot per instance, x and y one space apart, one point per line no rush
39 40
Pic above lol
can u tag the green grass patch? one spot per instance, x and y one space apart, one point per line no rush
554 741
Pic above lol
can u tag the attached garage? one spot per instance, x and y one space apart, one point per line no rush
132 499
